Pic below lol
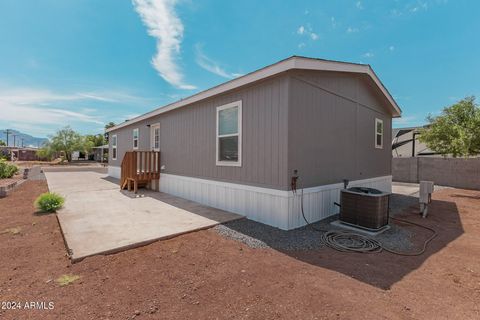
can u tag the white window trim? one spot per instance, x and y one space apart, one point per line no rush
133 138
377 121
152 136
239 134
114 146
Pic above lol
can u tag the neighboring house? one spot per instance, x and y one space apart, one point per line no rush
20 154
238 146
405 143
99 153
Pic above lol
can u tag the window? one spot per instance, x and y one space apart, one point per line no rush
135 138
114 147
378 133
155 137
229 134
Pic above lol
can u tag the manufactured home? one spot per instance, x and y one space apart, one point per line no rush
251 144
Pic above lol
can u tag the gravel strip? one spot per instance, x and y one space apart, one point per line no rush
259 236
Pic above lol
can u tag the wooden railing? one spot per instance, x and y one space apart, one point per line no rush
139 167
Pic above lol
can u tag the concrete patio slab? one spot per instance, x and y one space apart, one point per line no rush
98 218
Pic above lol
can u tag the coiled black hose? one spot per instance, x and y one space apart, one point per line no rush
346 241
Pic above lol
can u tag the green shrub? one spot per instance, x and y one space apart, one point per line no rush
49 202
7 170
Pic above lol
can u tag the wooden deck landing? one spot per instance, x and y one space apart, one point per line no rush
139 168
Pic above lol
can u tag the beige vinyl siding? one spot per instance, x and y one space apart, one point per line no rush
188 137
332 128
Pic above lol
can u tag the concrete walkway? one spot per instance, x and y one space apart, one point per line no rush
410 189
407 189
99 218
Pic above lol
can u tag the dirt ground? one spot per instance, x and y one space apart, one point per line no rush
205 276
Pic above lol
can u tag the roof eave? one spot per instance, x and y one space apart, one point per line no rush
293 62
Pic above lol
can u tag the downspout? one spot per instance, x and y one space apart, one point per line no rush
413 144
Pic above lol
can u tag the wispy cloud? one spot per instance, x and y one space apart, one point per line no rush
406 8
94 96
368 54
333 22
211 65
163 24
352 30
419 5
359 5
45 97
307 31
33 106
43 116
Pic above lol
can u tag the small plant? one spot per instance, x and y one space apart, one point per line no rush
7 170
49 202
66 279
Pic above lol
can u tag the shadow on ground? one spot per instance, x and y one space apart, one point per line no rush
112 180
382 269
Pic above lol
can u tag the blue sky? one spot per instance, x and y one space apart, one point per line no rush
84 63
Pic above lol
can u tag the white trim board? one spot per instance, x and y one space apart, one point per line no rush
294 62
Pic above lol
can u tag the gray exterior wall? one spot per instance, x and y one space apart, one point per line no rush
320 123
187 137
332 128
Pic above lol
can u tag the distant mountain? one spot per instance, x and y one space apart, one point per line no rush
28 140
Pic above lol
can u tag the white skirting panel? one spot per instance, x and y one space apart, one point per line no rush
278 208
114 171
264 205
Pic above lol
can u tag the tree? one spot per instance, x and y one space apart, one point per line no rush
65 141
456 131
108 126
97 140
45 152
2 143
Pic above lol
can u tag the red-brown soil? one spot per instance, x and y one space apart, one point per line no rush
205 276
